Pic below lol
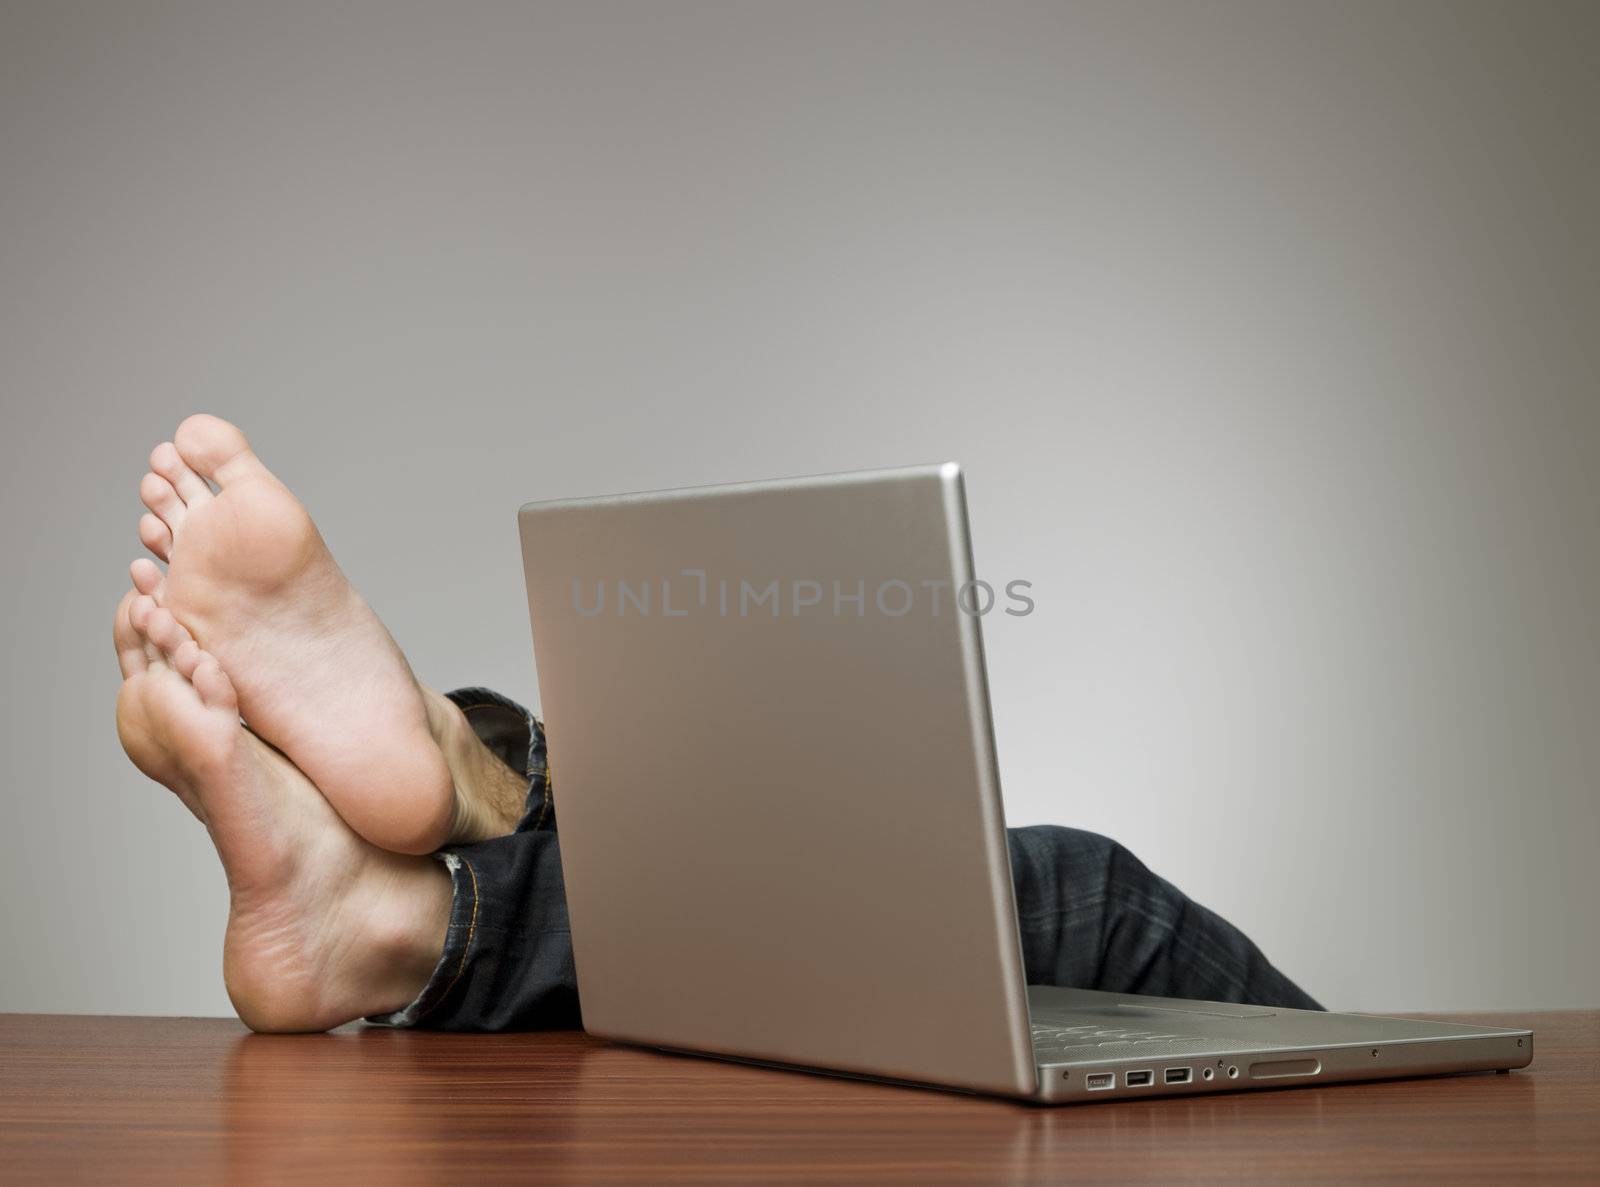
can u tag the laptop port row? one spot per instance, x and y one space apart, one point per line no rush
1144 1078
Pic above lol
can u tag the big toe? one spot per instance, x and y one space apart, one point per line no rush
216 449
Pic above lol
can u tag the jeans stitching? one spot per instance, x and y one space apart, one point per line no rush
544 806
466 949
535 726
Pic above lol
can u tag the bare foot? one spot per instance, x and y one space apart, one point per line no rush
323 928
317 674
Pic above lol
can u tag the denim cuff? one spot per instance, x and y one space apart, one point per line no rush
515 737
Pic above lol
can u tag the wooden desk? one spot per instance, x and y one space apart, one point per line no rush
153 1099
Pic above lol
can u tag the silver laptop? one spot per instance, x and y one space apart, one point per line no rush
781 825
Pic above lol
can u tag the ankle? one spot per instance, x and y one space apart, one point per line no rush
445 719
404 933
489 795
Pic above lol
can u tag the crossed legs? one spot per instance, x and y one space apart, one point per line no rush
343 770
261 688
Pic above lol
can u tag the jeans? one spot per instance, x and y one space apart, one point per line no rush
1091 915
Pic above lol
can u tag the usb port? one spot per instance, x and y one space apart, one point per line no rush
1139 1079
1100 1081
1178 1075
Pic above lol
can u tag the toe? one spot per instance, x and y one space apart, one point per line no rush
146 576
216 449
130 648
166 632
166 461
156 493
155 536
213 685
187 658
139 612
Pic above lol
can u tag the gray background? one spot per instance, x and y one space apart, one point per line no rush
1266 333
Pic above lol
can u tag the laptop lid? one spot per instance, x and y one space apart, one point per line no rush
774 773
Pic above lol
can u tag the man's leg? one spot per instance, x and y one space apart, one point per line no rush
507 960
1093 916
